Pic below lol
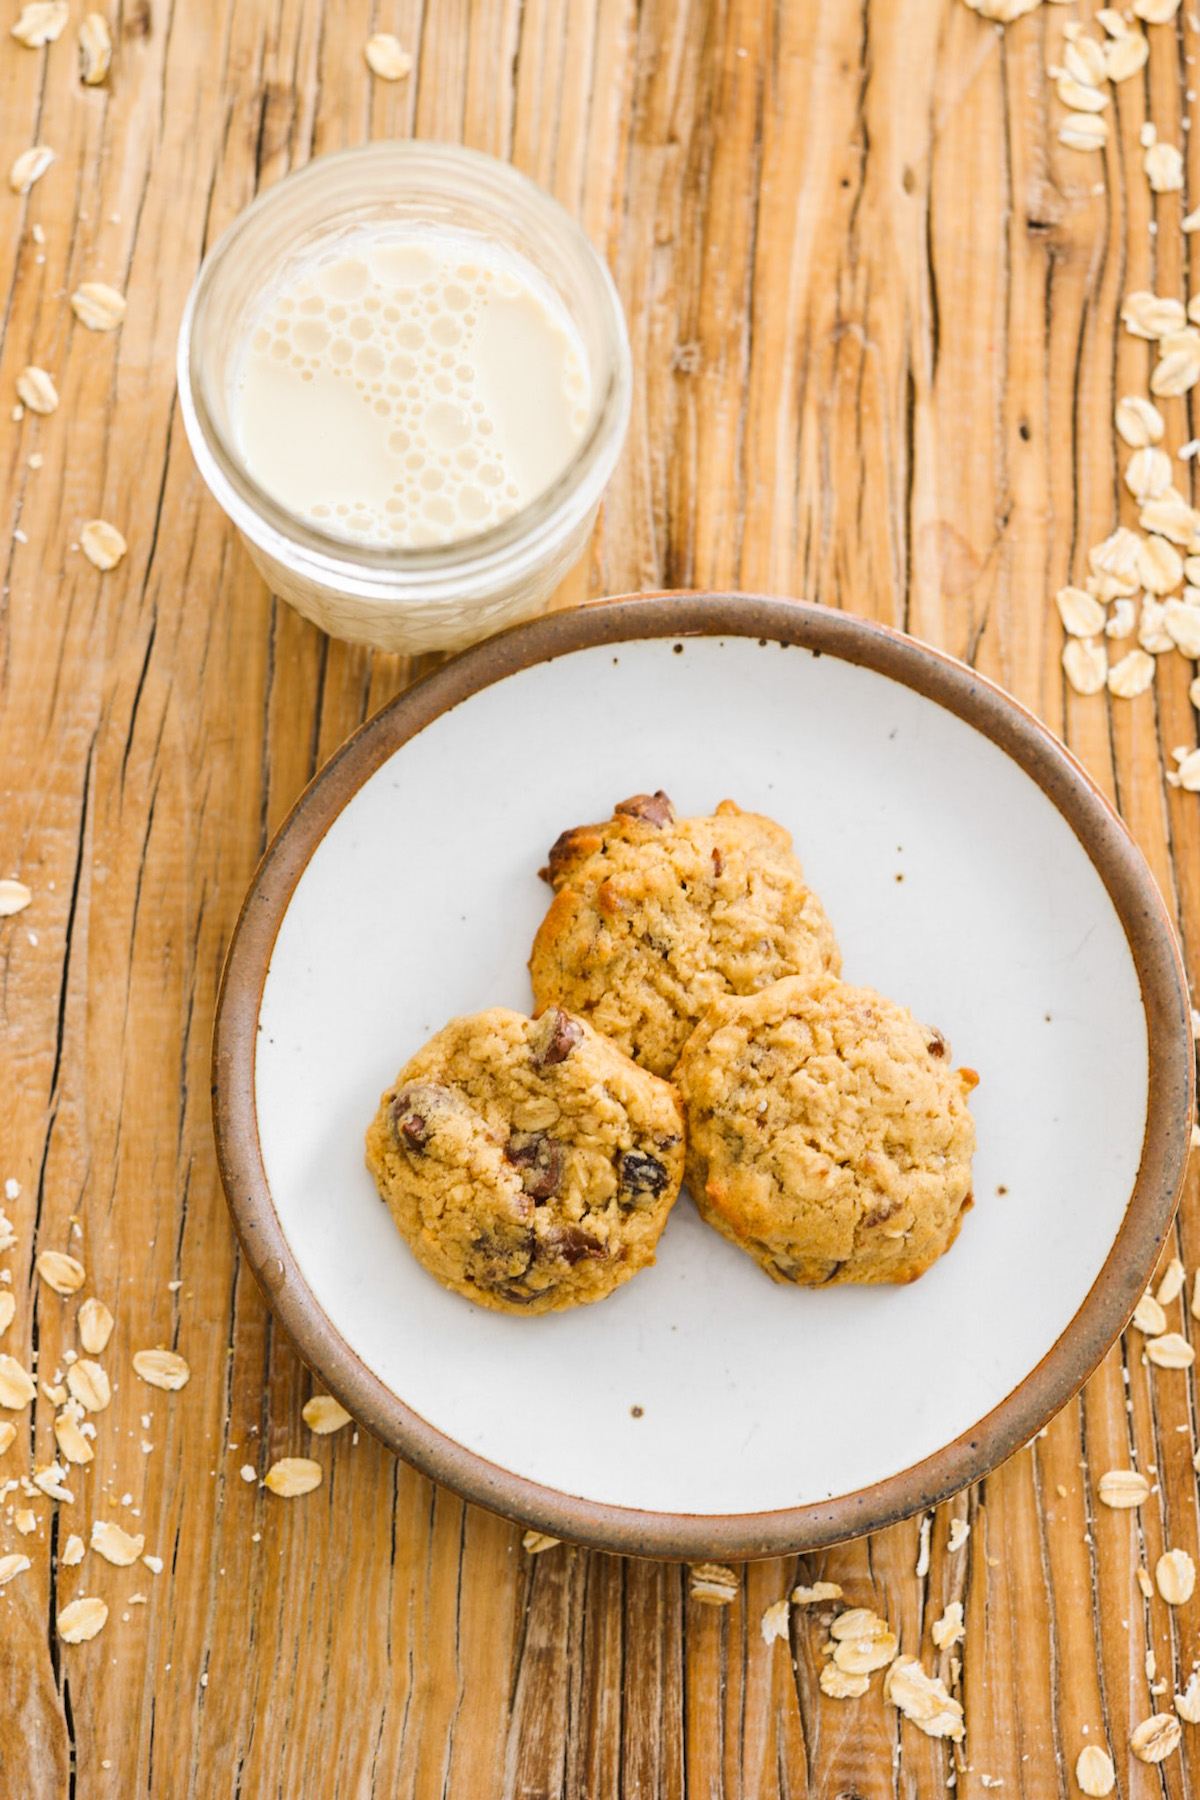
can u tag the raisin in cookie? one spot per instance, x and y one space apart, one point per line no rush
527 1163
655 917
827 1133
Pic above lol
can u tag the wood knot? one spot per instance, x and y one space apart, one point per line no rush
1044 209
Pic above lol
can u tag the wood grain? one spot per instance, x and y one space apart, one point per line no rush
874 311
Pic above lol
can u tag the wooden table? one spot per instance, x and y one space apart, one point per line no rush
874 312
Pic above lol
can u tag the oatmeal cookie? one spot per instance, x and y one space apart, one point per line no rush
655 917
528 1164
828 1134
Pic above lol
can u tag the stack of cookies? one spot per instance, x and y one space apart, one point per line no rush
688 1017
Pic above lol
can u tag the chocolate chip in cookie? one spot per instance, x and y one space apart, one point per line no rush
413 1110
556 1037
653 809
642 1178
528 1164
540 1161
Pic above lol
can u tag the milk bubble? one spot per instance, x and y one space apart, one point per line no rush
409 386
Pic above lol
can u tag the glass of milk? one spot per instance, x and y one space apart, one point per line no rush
405 376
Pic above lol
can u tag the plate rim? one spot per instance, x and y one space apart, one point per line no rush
1096 1323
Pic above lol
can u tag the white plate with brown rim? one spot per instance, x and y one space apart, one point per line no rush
971 870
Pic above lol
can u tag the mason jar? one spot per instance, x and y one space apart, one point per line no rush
436 597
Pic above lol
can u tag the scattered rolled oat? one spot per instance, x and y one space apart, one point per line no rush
8 1433
70 1440
1171 1351
154 1564
29 167
72 1551
1114 562
1139 420
8 1308
1081 96
26 1521
839 1685
1153 635
94 1323
102 543
1094 1771
948 1630
1183 625
960 1531
15 1564
1149 1316
114 1545
862 1641
14 898
1155 1738
1163 164
1156 12
775 1622
923 1699
81 1620
1185 337
713 1584
161 1369
98 306
1148 473
1123 1487
1081 615
89 1384
1174 1275
1187 1704
1083 131
17 1388
1124 56
1083 60
61 1272
49 1478
41 22
1159 565
1003 11
1085 665
248 1472
1175 1573
1168 515
386 58
812 1596
95 49
1148 315
322 1414
1145 1583
1132 675
1176 373
37 390
294 1475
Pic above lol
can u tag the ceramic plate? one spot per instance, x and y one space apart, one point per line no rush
971 871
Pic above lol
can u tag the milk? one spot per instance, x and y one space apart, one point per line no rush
408 386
